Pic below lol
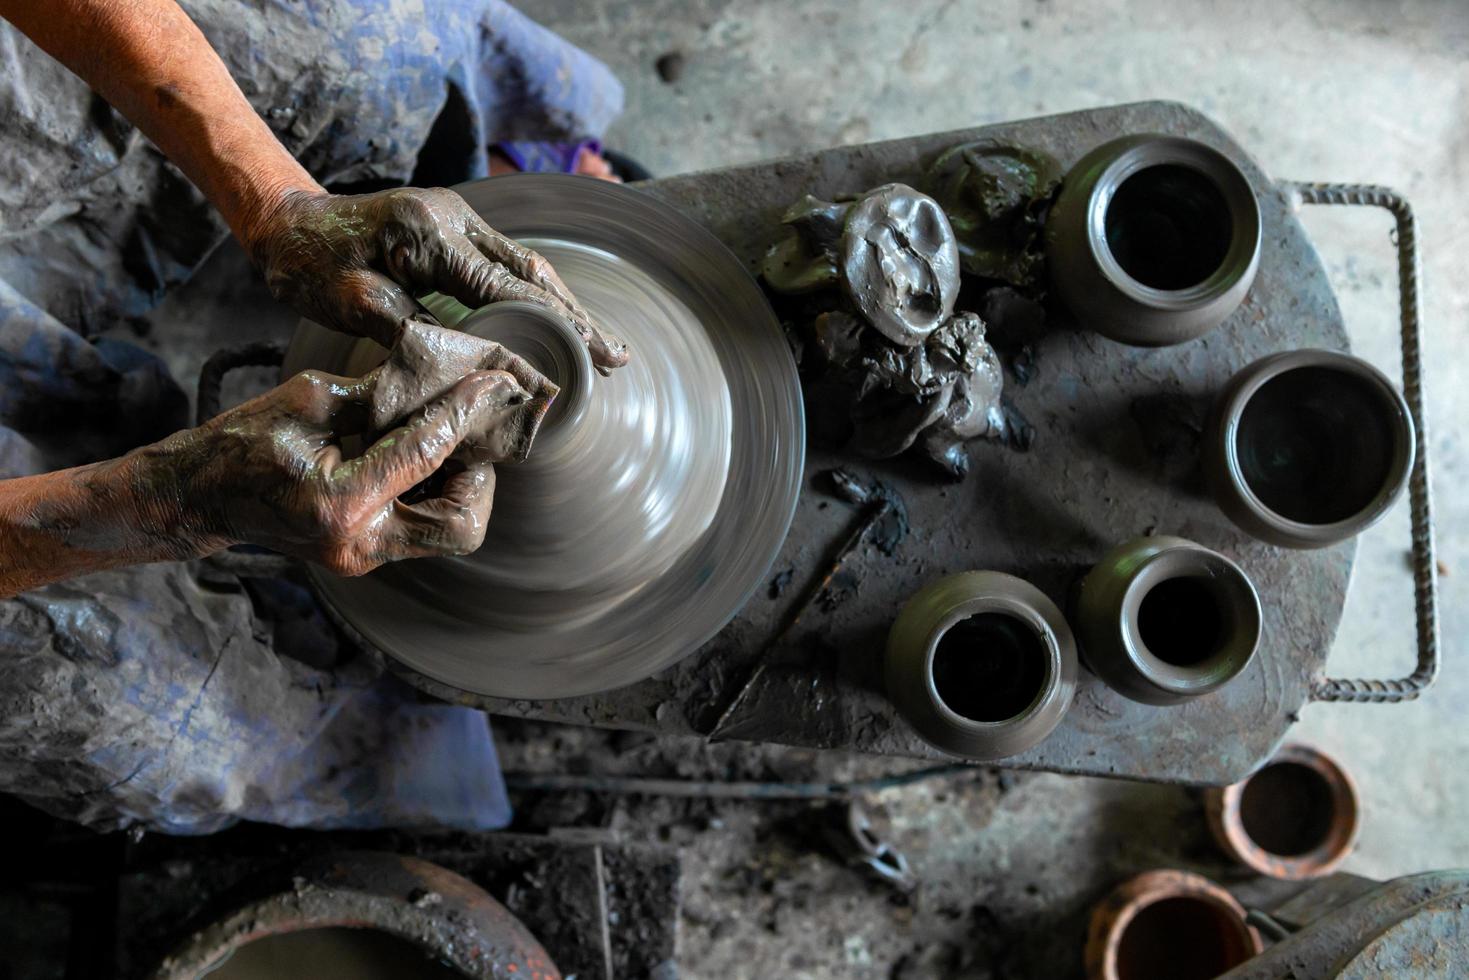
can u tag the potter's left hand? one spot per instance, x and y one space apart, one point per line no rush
354 263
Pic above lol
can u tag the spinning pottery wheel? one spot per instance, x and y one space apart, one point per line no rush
653 501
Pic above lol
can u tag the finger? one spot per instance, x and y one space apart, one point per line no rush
366 303
608 351
329 401
412 452
452 523
454 267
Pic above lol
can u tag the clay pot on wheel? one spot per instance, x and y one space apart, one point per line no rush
982 664
1166 923
1162 620
1307 448
1153 240
1295 818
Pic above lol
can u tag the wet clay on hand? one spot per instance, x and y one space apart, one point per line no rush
272 471
354 263
429 360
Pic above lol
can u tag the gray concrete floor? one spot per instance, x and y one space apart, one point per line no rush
1351 90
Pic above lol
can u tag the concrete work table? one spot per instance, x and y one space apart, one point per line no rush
1115 455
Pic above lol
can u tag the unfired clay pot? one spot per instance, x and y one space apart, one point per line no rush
982 664
1309 447
1162 619
1295 818
1153 240
1166 923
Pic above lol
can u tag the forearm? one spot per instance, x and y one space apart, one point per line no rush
120 512
150 61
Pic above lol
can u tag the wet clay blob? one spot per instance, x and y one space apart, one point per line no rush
331 954
911 371
429 359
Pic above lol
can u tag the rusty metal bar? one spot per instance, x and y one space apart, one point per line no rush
1425 566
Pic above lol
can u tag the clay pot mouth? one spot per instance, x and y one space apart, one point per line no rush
1295 818
347 944
1173 224
1190 621
991 665
552 346
1168 923
981 664
1316 446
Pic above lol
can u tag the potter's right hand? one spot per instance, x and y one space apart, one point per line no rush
271 472
355 262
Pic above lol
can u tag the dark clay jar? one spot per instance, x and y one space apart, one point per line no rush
1154 240
1309 447
982 664
1162 620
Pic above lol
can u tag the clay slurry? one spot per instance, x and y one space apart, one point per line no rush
989 667
1169 227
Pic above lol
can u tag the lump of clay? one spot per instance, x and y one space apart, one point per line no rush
891 251
993 194
429 359
891 365
938 395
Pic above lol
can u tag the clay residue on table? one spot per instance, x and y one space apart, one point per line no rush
895 366
995 195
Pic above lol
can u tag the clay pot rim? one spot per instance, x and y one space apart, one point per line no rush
1016 609
908 664
375 891
1148 150
1114 913
569 405
1229 583
1226 820
1298 534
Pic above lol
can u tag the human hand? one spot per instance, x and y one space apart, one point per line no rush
353 263
271 472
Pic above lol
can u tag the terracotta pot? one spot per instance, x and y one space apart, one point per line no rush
1166 923
1153 240
1162 620
1296 818
1307 448
982 664
451 922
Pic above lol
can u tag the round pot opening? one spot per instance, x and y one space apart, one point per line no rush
1185 937
990 667
1288 809
1317 445
327 952
1169 226
1184 621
